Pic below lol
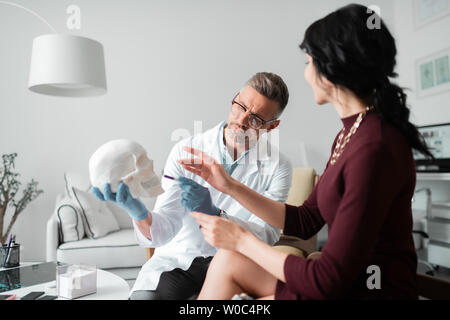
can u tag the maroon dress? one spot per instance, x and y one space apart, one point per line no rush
365 198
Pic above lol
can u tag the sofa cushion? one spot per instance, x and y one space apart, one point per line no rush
98 219
123 218
305 246
291 250
74 179
70 221
116 250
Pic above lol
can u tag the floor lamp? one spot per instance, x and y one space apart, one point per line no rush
65 65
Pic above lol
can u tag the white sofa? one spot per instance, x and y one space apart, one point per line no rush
117 250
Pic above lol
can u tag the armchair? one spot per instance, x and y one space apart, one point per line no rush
303 182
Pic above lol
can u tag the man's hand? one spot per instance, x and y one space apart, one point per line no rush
196 197
135 208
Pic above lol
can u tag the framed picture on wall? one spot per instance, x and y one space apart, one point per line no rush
433 73
428 11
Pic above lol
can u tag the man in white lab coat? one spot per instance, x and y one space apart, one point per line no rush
178 267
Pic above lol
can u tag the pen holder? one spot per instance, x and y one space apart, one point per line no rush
10 257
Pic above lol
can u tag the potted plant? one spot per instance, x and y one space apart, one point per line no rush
9 186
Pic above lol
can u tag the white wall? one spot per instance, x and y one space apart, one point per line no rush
168 63
414 44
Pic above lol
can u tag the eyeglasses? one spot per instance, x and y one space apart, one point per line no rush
254 120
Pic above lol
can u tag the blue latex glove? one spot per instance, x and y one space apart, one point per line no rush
196 197
135 208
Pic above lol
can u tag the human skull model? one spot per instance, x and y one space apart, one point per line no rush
124 161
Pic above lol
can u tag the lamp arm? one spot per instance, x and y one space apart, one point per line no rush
31 12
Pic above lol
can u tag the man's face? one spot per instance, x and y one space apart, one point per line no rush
239 133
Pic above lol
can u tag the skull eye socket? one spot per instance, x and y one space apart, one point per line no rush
154 181
143 161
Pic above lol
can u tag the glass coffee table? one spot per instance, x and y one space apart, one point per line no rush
30 277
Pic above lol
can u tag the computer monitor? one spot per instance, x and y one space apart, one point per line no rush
437 138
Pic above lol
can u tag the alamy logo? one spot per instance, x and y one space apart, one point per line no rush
265 144
374 21
374 280
74 20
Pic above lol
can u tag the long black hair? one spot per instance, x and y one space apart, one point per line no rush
353 52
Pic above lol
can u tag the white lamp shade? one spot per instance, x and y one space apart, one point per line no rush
67 65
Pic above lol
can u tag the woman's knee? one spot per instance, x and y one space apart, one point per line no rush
228 256
226 260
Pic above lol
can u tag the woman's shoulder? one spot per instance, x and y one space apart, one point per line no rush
378 137
377 131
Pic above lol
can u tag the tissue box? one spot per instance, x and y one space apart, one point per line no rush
74 281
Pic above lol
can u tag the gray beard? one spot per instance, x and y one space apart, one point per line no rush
241 139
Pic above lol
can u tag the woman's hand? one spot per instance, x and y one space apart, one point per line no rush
219 232
207 168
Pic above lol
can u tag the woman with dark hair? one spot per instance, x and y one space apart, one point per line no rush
364 194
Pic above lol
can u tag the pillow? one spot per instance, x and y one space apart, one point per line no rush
98 219
70 221
77 180
123 218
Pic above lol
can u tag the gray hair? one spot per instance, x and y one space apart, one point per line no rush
271 86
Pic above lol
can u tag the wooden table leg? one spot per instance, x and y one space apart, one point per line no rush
150 252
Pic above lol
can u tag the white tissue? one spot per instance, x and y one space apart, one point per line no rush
77 282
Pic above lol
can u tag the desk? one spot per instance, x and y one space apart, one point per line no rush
109 287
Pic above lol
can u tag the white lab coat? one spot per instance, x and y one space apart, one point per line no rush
176 235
